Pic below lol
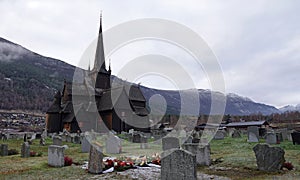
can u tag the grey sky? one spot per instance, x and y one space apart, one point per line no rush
257 42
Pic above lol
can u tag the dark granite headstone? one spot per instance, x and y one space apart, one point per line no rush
296 137
269 158
3 149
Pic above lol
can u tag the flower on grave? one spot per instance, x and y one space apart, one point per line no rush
288 165
68 161
32 154
156 159
108 163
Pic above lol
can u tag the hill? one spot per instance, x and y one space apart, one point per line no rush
28 80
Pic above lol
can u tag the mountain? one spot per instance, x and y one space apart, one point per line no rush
28 81
235 104
290 108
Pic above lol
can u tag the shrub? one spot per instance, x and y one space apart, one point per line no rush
68 161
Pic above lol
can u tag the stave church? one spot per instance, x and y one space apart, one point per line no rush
94 104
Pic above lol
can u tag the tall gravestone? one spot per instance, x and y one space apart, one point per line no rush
284 133
144 143
95 160
279 137
113 145
180 164
295 137
85 145
269 158
202 152
289 135
3 149
25 150
271 138
56 156
253 134
170 143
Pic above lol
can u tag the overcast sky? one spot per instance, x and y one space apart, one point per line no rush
257 42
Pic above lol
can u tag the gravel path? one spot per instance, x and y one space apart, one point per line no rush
149 173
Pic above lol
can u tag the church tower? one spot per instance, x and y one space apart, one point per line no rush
99 74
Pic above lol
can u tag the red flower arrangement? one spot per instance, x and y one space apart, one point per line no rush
118 164
32 154
68 161
288 165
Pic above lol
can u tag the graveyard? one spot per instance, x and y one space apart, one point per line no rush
231 158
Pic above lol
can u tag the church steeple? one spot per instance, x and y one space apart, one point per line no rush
99 63
99 74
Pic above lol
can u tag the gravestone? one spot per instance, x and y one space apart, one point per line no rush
284 133
180 164
296 137
144 143
269 158
95 160
271 138
25 150
279 137
3 149
262 132
136 138
289 136
219 135
57 141
170 143
113 144
76 139
253 134
236 134
64 138
56 156
69 138
202 152
85 145
229 131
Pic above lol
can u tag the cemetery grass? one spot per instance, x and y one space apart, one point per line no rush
233 158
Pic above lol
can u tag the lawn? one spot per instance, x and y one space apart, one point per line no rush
233 158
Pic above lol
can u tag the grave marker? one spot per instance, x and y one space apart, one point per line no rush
56 156
180 164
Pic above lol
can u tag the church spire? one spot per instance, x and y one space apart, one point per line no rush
99 64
